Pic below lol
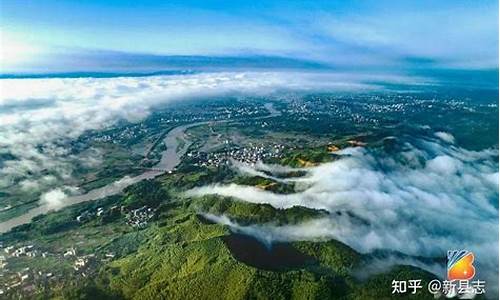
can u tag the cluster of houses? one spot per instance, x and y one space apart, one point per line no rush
249 155
21 279
139 217
28 250
27 280
136 217
131 132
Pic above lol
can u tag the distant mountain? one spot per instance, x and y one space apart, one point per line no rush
113 64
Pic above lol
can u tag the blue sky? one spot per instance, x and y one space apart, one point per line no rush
94 35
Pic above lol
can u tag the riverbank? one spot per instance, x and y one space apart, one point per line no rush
170 159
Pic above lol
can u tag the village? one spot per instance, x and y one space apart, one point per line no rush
134 132
249 155
28 279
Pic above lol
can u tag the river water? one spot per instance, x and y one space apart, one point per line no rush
170 159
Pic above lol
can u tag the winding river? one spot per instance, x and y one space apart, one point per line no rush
170 159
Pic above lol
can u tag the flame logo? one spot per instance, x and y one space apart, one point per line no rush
460 265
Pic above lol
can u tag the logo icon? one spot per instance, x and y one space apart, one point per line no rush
460 265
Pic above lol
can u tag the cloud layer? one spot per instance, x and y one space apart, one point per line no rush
39 116
422 201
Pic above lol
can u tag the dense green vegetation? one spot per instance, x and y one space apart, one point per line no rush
187 259
248 213
307 157
182 256
266 184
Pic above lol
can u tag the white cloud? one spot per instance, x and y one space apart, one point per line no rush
53 198
259 169
445 136
38 116
423 201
